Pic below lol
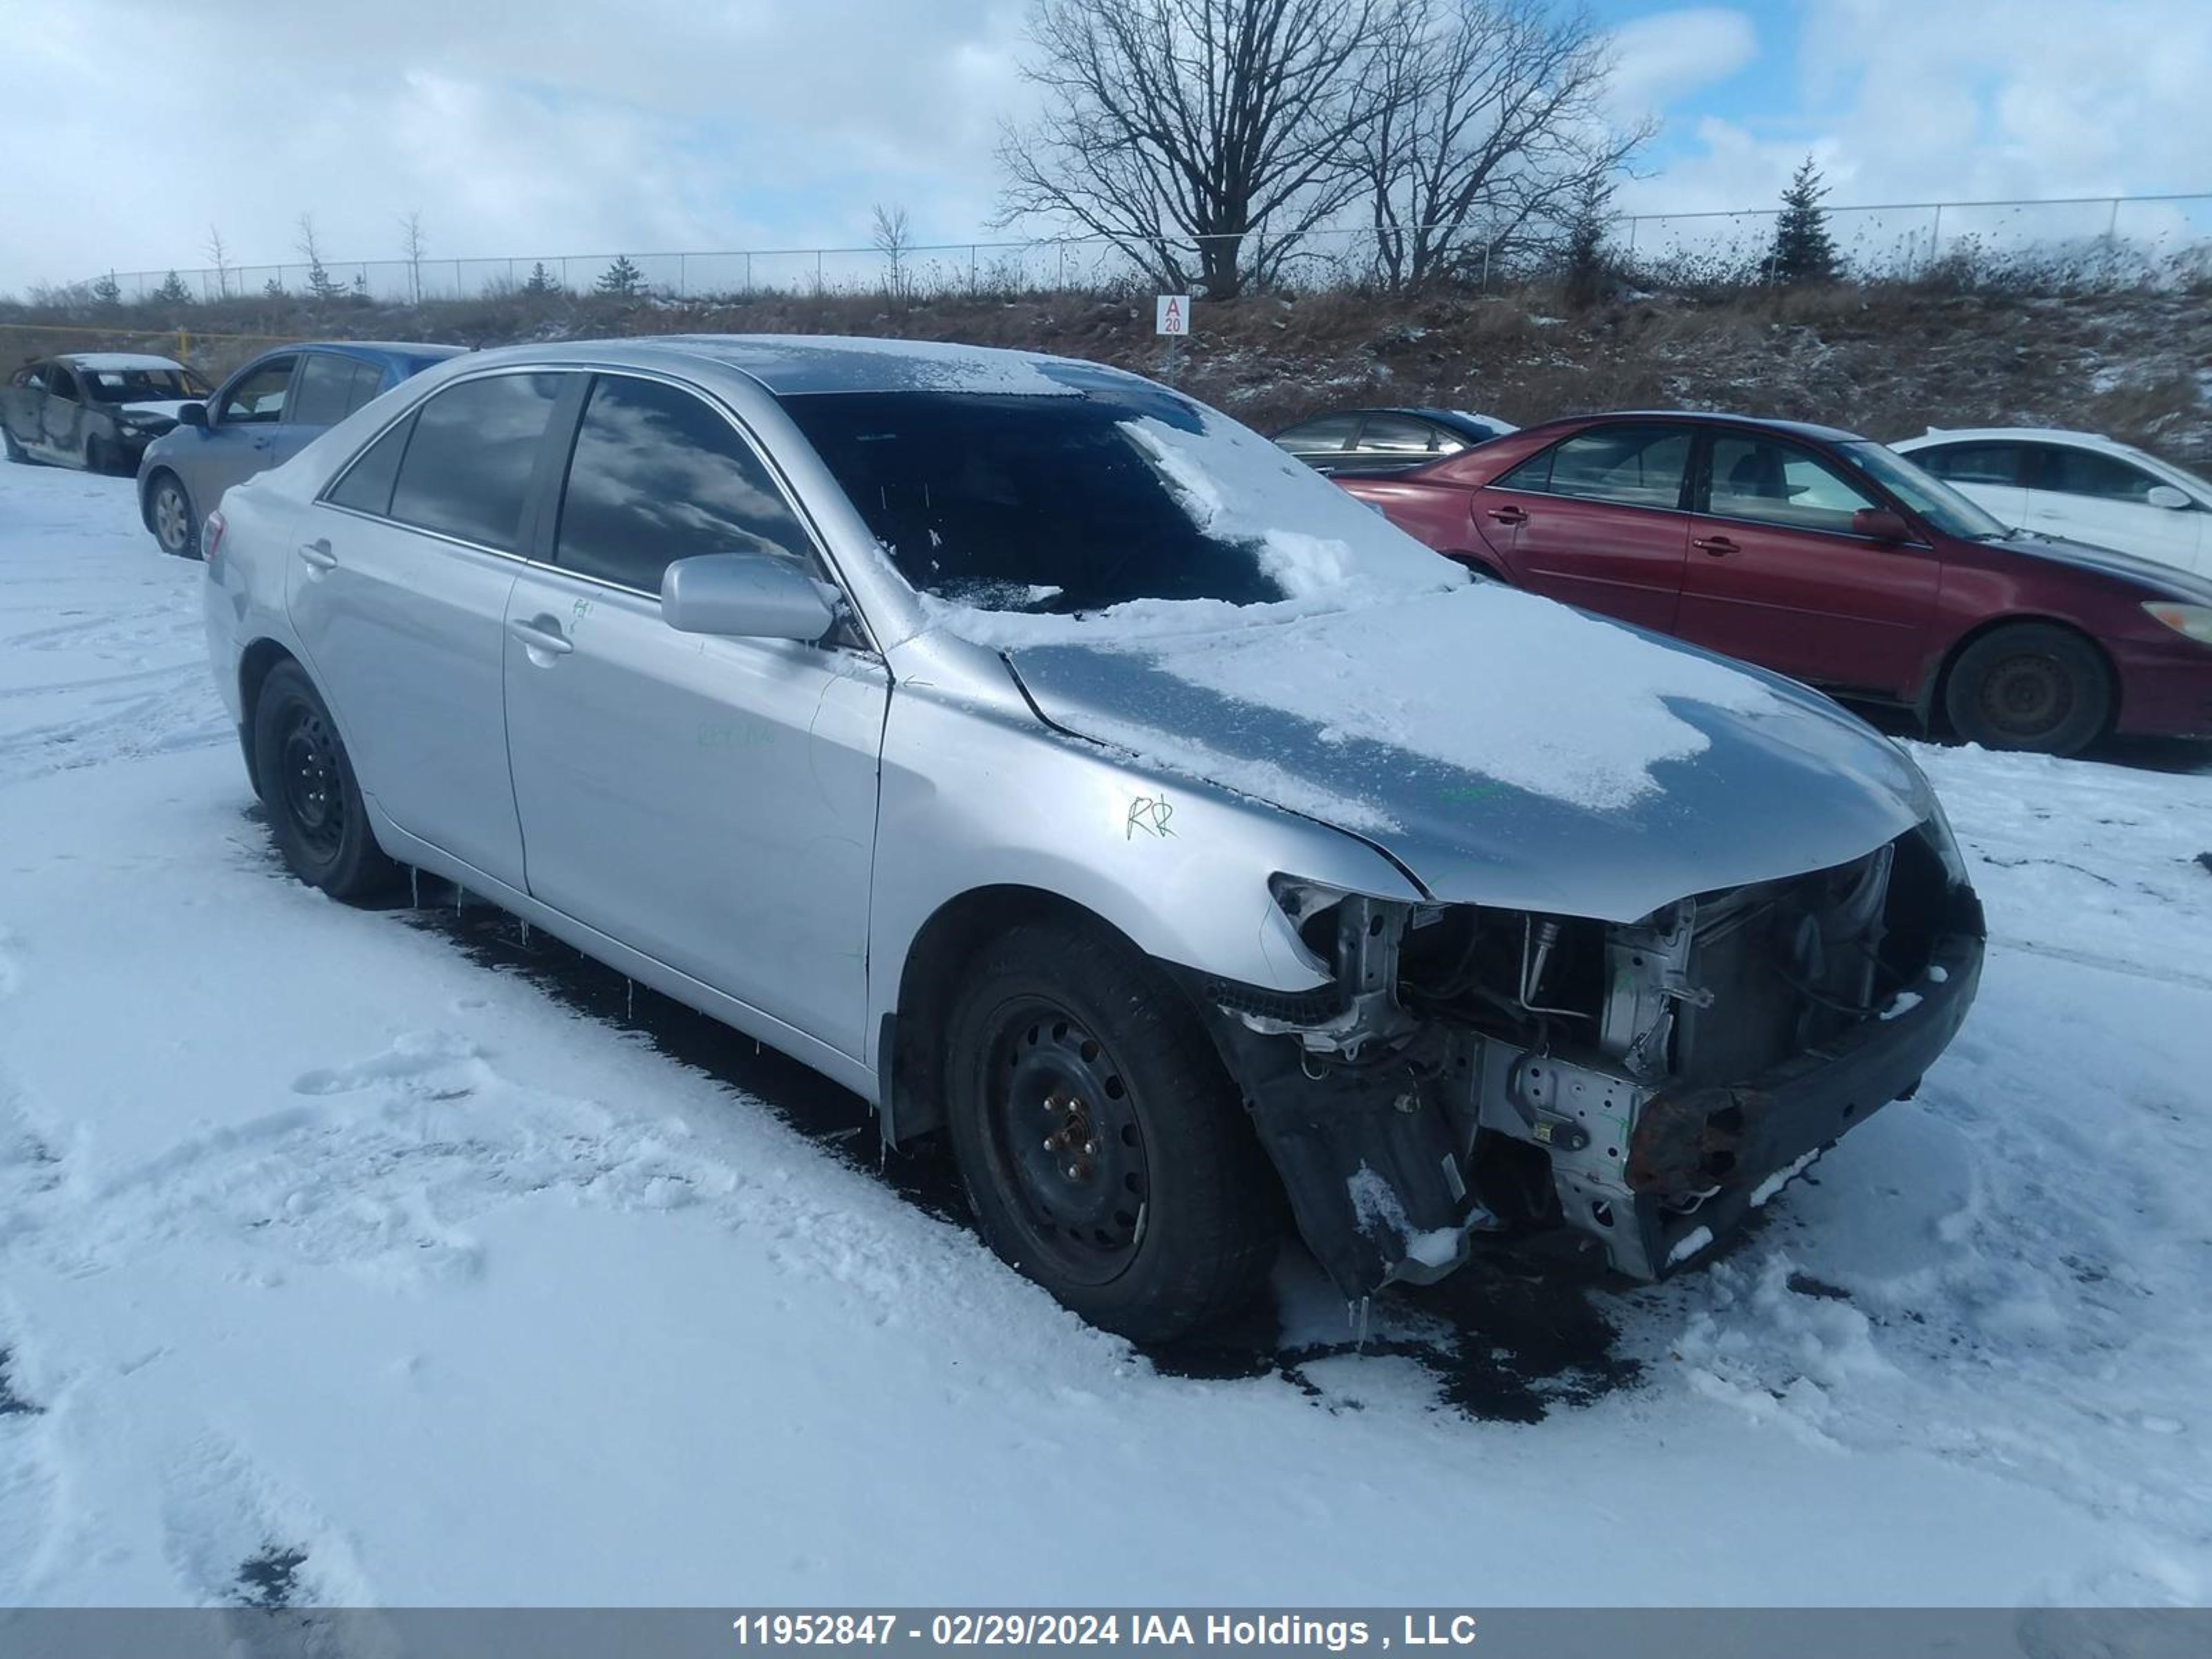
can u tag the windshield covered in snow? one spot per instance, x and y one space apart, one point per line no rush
1926 495
1068 504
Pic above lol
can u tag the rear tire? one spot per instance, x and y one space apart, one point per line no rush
2031 686
176 526
307 785
15 451
1105 1152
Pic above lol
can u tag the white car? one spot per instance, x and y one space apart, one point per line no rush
2079 486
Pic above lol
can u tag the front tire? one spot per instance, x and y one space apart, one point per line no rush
307 785
176 526
15 451
1104 1151
96 455
2031 686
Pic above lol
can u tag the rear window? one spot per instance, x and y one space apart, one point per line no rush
467 469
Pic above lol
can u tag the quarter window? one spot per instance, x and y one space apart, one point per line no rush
1973 464
2086 472
368 382
1633 465
257 399
367 486
657 476
1779 483
466 472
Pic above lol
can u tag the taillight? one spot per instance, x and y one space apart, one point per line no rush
211 536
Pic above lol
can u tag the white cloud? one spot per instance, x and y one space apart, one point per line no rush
1661 58
1920 101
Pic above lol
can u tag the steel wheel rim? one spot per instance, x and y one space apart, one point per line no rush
313 787
2027 695
169 517
1065 1142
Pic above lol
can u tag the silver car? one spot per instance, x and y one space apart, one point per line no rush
1066 768
272 406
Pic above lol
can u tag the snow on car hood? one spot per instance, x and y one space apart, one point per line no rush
166 409
1504 749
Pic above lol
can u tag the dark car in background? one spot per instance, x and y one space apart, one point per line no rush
1382 439
263 413
1827 557
93 410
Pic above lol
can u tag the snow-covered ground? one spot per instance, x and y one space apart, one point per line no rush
395 1257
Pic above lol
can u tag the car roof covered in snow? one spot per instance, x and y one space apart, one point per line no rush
790 365
116 360
2039 435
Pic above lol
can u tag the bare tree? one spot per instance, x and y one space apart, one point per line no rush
219 257
412 245
1228 125
894 241
1490 129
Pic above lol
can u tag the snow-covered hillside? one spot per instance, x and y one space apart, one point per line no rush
394 1257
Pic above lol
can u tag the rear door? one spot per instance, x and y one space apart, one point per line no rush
399 598
1993 475
2088 496
1777 576
1597 519
22 403
710 802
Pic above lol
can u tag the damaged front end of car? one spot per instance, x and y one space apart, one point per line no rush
1470 1071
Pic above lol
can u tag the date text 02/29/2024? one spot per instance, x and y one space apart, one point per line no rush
1258 1631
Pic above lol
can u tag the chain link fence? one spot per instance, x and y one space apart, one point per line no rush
2102 242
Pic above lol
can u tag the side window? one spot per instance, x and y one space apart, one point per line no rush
2086 472
1632 466
258 400
1779 483
1971 463
1328 432
324 379
33 377
367 486
368 382
657 476
466 472
1396 434
61 383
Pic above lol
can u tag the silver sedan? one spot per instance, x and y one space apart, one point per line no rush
1067 769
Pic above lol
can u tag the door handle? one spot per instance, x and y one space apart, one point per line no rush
542 633
1719 546
317 556
1508 515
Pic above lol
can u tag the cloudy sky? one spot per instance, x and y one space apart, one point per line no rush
556 127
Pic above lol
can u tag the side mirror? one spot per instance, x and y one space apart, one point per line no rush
2167 497
756 596
1879 524
191 415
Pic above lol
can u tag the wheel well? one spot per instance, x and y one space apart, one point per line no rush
1939 684
253 669
146 492
1481 563
948 941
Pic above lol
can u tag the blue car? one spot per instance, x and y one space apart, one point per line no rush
262 416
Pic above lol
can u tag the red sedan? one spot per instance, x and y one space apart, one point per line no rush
1830 559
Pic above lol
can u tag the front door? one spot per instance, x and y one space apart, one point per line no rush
1777 576
1597 520
709 802
249 430
2087 495
399 598
61 415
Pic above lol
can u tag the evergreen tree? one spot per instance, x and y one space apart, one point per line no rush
541 280
274 288
172 291
360 287
623 279
1590 270
1803 249
107 290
